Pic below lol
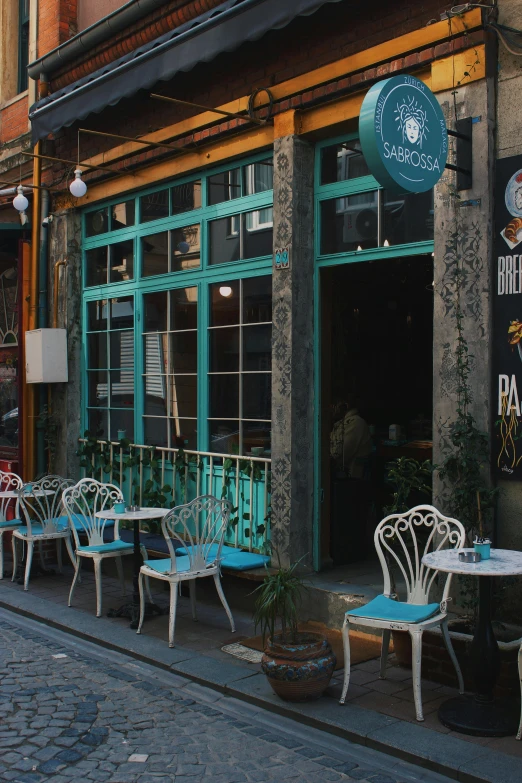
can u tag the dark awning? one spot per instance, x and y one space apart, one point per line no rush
222 29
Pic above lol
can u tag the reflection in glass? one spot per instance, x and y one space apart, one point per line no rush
155 254
408 217
256 435
97 388
185 245
122 349
349 223
257 395
96 222
182 395
96 266
155 388
257 299
258 177
224 303
224 186
224 437
183 433
156 432
155 311
121 261
154 206
122 312
122 420
257 347
342 161
224 349
183 352
224 240
97 423
186 197
97 351
122 215
121 388
184 308
224 396
97 315
156 352
257 233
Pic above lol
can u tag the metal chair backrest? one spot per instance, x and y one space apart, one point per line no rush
397 543
199 527
9 482
83 500
41 504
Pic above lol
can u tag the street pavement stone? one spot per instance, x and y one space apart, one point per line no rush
78 718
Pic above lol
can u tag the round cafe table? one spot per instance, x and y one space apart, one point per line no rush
480 715
132 609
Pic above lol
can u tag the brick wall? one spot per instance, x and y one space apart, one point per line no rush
13 120
57 22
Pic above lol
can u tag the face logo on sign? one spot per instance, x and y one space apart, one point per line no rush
412 121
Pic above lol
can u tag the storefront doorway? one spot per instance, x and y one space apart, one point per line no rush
376 359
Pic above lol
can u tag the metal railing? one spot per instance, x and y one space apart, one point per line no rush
143 472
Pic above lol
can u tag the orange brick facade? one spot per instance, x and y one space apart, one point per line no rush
13 120
57 22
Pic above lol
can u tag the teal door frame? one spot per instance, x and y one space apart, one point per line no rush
323 192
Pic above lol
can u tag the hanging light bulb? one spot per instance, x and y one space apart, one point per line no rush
386 243
359 247
225 290
183 247
20 202
78 187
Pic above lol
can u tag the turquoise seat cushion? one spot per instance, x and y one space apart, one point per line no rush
164 566
112 546
37 530
10 523
244 561
212 550
383 608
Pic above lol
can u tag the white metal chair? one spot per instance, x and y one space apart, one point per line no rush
199 527
9 482
397 544
81 502
40 509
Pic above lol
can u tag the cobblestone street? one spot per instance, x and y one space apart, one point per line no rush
72 712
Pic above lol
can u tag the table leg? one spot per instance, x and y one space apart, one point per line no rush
481 715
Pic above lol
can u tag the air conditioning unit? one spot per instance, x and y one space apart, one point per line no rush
46 356
359 224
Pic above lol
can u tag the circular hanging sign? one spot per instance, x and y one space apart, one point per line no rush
403 135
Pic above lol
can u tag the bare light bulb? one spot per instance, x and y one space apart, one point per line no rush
225 290
386 243
78 187
359 247
20 202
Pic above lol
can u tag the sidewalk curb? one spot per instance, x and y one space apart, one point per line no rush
457 759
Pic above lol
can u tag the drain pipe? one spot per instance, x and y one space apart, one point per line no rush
41 461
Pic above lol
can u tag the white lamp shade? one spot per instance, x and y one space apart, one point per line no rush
20 202
78 187
225 290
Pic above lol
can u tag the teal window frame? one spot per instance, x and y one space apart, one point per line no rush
201 277
331 190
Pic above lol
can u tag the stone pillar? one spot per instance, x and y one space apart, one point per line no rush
65 245
471 211
292 352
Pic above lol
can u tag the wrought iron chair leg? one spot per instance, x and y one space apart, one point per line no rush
15 557
385 648
172 611
28 563
76 578
449 647
221 594
346 646
416 661
97 579
142 601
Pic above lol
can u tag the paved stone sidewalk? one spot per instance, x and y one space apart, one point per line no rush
70 711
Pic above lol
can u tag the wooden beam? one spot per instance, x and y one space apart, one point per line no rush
210 155
288 123
396 47
459 69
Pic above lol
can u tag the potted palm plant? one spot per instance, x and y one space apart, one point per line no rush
299 665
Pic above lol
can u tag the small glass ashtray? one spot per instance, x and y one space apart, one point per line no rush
470 557
132 508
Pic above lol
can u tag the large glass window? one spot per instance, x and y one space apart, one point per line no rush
178 354
110 367
356 215
240 365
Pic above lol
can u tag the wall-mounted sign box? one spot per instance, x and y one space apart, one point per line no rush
403 135
46 356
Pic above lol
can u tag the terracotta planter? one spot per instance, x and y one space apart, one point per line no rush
300 671
402 648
